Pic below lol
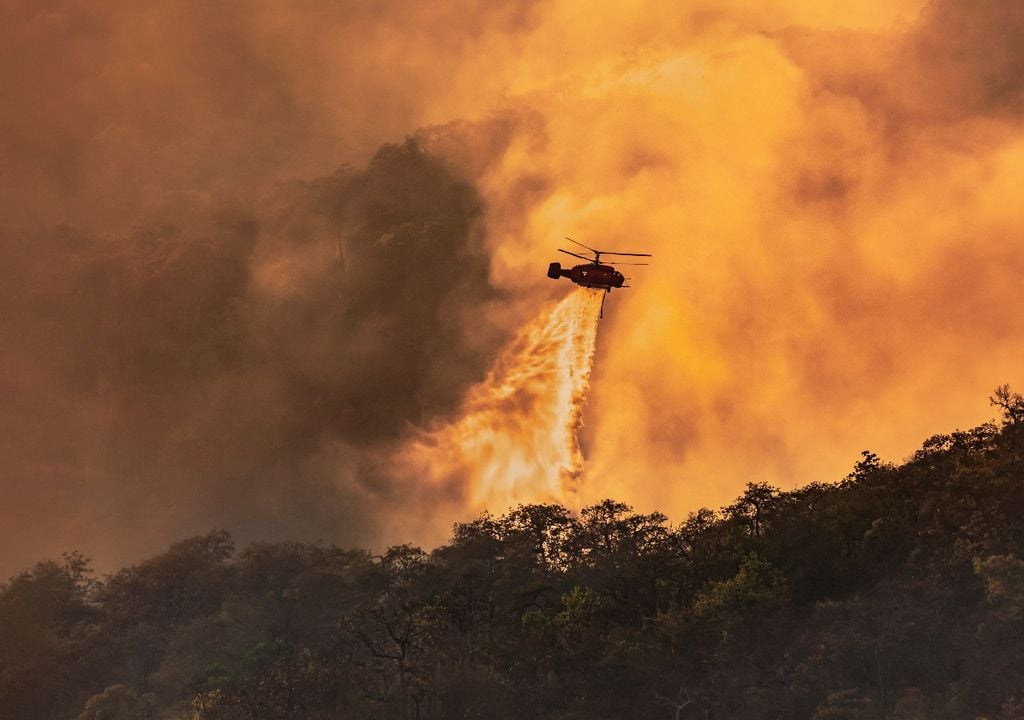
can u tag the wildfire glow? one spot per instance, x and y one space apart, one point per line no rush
516 439
831 192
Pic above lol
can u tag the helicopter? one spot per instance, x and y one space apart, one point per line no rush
594 274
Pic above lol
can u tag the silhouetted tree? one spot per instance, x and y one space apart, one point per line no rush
895 593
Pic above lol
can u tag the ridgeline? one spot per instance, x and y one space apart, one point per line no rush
897 593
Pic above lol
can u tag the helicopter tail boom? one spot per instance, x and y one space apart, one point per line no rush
555 271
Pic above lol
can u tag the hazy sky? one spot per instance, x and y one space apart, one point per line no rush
231 288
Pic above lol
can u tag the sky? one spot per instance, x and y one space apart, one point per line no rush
250 251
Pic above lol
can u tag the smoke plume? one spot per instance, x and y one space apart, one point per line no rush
232 293
241 371
829 197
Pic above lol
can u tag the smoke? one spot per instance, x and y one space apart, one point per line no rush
245 372
829 197
117 111
205 322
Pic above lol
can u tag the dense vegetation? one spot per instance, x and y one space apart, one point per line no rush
897 593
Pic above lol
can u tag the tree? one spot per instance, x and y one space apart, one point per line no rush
147 604
118 702
46 645
1011 403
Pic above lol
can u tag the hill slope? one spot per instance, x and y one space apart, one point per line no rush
896 593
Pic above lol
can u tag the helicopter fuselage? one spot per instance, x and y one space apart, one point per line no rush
592 275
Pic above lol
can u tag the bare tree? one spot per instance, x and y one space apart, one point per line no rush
675 705
1012 404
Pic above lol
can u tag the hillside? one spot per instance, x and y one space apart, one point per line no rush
895 593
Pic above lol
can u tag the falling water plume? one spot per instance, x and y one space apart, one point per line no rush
516 440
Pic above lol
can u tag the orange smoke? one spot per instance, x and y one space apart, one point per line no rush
517 438
829 196
830 190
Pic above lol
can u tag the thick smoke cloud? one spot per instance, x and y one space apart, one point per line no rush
115 110
237 372
830 195
204 324
838 249
192 337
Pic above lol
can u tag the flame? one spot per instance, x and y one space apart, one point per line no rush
516 440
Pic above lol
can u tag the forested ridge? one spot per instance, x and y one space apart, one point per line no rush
895 593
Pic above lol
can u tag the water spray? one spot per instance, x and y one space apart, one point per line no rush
517 436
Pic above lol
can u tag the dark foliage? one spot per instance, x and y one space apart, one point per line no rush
897 593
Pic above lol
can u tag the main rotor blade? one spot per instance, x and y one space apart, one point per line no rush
580 244
581 257
624 263
608 252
